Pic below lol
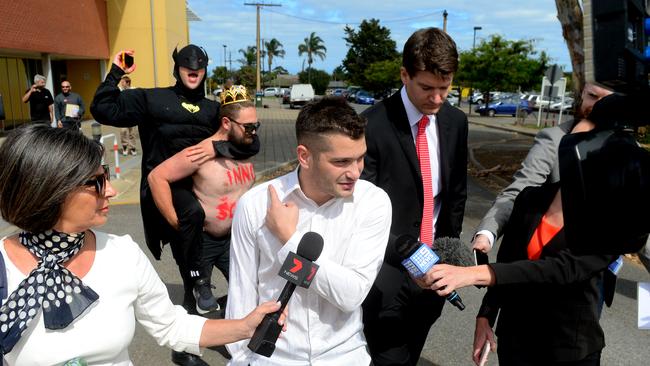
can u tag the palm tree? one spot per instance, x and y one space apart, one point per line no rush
250 56
273 49
313 46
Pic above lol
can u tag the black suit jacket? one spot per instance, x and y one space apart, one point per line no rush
392 164
548 308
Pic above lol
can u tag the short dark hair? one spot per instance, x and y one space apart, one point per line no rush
232 110
39 167
430 49
328 115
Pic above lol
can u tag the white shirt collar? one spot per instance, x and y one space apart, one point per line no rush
412 113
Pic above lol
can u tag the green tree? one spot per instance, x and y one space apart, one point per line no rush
273 49
246 76
339 73
219 74
382 75
313 46
319 79
500 64
370 44
280 70
249 56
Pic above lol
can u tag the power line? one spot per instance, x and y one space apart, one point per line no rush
352 23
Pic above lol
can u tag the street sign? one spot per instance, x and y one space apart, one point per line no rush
553 73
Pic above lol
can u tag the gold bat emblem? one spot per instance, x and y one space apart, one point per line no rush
191 107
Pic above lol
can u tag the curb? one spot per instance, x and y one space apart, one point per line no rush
267 174
522 130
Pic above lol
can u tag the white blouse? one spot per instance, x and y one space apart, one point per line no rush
129 288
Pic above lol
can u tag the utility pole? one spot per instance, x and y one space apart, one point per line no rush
259 5
444 20
224 63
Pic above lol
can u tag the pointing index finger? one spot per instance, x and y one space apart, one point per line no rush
273 197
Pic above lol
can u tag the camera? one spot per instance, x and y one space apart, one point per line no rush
615 44
605 174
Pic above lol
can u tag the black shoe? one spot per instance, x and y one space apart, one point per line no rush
187 359
205 300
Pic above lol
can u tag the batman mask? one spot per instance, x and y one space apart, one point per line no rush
194 58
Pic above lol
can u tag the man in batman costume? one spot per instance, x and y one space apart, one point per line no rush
169 119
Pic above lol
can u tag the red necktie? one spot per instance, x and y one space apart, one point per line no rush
422 149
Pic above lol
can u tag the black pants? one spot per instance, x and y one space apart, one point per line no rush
71 124
186 242
216 253
195 251
397 328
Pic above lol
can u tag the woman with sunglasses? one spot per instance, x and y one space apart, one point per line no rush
67 283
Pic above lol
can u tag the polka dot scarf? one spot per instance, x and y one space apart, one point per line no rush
50 286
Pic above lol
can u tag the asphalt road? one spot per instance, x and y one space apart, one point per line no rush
449 342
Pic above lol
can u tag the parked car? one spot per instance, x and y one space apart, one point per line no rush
281 92
565 106
363 97
300 94
452 98
351 92
504 106
271 92
338 93
285 96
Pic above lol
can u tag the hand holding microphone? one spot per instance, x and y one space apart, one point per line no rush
299 270
419 259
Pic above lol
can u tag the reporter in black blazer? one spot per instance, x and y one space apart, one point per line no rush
397 312
549 308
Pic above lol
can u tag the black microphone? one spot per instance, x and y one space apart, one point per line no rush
419 258
299 270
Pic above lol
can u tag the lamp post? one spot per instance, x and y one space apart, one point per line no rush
471 90
474 42
224 63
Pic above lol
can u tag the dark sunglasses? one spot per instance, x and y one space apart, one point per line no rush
248 127
99 181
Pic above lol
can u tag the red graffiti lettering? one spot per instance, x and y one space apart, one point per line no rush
237 173
245 175
225 209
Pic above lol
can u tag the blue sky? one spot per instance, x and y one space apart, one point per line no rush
232 23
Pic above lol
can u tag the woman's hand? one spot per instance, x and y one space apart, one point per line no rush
446 278
254 318
482 333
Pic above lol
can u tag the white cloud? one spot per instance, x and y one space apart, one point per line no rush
234 24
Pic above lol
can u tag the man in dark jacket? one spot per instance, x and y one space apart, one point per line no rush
169 120
68 107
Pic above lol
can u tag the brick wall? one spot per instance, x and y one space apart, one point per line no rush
64 27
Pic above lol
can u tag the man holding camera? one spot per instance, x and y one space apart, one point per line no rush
40 101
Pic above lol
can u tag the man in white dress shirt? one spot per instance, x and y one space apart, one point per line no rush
324 195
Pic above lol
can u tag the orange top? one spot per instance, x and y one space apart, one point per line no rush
543 234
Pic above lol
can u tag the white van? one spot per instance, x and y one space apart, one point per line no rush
300 94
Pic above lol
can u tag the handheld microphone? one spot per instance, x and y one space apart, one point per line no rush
419 258
299 270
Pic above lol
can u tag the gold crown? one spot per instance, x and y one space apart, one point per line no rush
236 94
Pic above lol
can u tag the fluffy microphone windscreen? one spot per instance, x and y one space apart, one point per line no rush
453 251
